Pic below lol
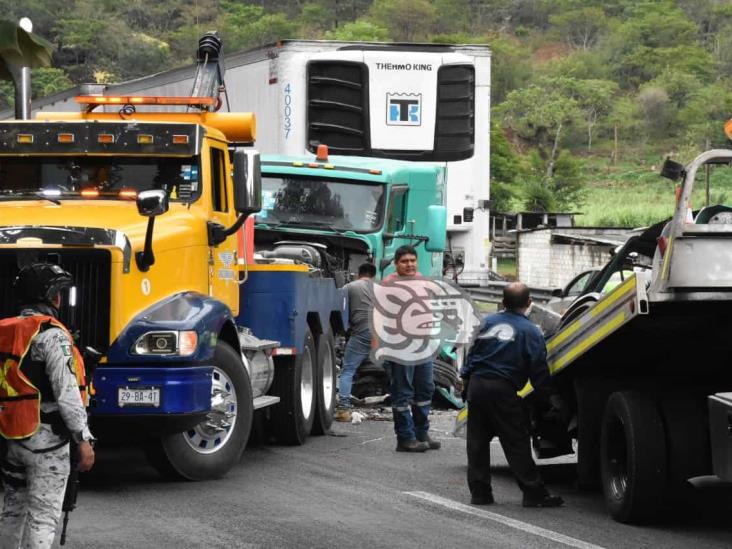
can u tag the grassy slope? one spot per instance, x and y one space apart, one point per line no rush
632 194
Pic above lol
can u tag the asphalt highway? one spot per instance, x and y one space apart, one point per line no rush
354 491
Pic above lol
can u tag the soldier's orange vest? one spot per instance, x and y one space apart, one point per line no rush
20 399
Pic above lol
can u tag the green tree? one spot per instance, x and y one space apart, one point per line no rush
47 81
705 113
623 122
652 37
564 190
407 20
537 197
594 99
580 28
315 19
539 114
452 16
680 86
360 30
245 26
654 105
510 66
506 170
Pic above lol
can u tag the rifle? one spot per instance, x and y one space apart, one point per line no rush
72 488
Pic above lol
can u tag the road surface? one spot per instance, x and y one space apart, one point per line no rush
354 491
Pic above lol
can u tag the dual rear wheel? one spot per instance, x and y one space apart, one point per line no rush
306 387
650 446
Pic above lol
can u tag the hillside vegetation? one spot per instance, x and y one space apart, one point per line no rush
588 95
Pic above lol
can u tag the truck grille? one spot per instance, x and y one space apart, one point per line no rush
455 128
338 107
91 270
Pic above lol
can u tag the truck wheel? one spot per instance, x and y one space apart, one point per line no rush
215 445
592 395
687 437
294 382
326 385
633 457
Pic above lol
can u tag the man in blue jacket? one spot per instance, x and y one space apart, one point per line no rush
508 351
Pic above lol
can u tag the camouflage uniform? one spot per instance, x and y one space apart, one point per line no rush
36 469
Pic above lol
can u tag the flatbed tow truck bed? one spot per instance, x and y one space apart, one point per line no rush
644 367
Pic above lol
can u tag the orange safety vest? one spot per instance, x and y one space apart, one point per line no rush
20 399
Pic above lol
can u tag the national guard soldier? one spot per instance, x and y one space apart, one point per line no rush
42 408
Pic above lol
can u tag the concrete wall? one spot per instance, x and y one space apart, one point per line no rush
546 260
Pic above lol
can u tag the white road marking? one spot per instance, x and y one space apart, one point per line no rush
372 440
506 521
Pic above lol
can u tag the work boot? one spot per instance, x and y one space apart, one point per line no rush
432 444
342 414
542 500
482 499
411 446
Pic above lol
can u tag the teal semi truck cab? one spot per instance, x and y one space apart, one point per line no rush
358 209
336 213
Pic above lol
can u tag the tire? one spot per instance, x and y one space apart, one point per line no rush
687 437
578 307
444 373
205 452
291 420
591 395
633 457
326 385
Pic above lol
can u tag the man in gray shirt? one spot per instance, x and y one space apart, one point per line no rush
358 348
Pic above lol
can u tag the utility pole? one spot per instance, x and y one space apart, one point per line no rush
706 172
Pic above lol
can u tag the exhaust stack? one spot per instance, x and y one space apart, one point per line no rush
22 79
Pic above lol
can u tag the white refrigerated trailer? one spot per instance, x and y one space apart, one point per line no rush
419 102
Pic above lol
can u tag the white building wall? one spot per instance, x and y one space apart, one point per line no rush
544 263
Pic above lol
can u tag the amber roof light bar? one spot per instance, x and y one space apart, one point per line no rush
121 100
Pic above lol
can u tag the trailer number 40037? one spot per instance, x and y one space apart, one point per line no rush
288 111
138 396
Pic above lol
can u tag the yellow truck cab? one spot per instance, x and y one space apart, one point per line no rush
146 210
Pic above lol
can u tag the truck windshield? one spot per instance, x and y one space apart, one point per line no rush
314 202
104 178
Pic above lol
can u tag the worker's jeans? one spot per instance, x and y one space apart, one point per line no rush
358 349
411 398
494 409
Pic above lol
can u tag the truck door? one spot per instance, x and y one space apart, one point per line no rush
396 222
222 261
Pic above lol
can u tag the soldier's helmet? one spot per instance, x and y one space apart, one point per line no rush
41 283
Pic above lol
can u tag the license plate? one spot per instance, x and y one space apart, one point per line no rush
138 396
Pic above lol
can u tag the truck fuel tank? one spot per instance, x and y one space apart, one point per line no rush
257 357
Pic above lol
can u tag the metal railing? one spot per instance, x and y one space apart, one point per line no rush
493 293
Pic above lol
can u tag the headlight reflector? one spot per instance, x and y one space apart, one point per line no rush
167 343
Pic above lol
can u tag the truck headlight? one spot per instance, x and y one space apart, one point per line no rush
167 343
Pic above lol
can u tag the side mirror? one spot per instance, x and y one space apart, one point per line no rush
557 292
672 170
152 203
247 182
436 229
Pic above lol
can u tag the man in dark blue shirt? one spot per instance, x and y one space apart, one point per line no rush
508 351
